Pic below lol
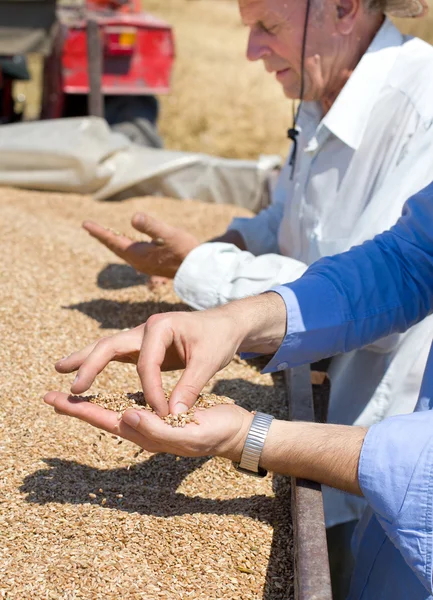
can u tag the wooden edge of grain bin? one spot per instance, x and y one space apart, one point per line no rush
312 579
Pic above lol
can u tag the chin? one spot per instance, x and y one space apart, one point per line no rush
292 94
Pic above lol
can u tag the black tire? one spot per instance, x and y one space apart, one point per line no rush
75 105
140 132
135 117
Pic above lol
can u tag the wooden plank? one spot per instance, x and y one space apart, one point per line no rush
312 578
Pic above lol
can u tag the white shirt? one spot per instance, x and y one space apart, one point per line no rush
347 164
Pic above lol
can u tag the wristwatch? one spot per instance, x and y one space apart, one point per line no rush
249 463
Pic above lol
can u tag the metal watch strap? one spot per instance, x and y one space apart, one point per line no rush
253 447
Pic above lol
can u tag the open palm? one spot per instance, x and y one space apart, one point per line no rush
161 256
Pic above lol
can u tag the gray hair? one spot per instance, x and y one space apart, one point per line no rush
375 5
371 6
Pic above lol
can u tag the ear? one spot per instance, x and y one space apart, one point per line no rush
346 14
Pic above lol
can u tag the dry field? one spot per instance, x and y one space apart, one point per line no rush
81 515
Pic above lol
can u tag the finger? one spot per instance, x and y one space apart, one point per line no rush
151 226
196 375
117 243
156 341
149 425
103 353
71 363
95 415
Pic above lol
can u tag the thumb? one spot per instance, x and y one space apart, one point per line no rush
193 379
151 226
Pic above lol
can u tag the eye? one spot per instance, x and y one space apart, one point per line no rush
269 28
274 29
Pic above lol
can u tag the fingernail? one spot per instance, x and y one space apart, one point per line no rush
75 381
180 408
131 418
49 401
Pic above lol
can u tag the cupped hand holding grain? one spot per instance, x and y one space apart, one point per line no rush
217 431
161 256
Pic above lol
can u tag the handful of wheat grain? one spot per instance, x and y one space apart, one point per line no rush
119 402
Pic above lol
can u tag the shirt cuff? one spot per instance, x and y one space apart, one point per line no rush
314 325
190 285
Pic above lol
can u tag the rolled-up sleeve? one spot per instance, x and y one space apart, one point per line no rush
396 477
216 273
350 300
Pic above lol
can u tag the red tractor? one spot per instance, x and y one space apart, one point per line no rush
102 57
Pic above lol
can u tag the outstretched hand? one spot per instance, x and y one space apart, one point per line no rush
221 430
161 256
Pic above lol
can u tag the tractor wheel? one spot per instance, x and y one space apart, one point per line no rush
140 132
135 117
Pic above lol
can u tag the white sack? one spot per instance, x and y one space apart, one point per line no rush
84 156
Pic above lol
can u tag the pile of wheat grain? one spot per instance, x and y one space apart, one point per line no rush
84 515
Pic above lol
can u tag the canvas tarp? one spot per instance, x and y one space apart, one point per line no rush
83 155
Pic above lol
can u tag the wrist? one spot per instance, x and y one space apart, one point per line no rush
192 245
263 321
259 322
233 447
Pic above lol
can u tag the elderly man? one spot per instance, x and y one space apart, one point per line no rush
340 303
367 103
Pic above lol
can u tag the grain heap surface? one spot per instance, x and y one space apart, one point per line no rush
83 516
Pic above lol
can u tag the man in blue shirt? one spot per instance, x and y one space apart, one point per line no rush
341 303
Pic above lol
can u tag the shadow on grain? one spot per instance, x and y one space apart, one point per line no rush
149 488
123 315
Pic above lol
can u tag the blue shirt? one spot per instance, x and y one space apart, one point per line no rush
346 302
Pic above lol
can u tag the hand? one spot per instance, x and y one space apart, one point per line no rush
162 256
222 429
204 343
201 342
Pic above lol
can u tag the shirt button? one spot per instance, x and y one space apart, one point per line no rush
282 366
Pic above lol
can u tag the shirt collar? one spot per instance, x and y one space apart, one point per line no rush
348 117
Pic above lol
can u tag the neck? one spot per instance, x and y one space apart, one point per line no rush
351 51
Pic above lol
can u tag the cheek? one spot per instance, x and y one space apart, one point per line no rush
288 48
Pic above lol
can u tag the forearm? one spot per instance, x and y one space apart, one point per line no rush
328 454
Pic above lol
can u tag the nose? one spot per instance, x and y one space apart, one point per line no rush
256 48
